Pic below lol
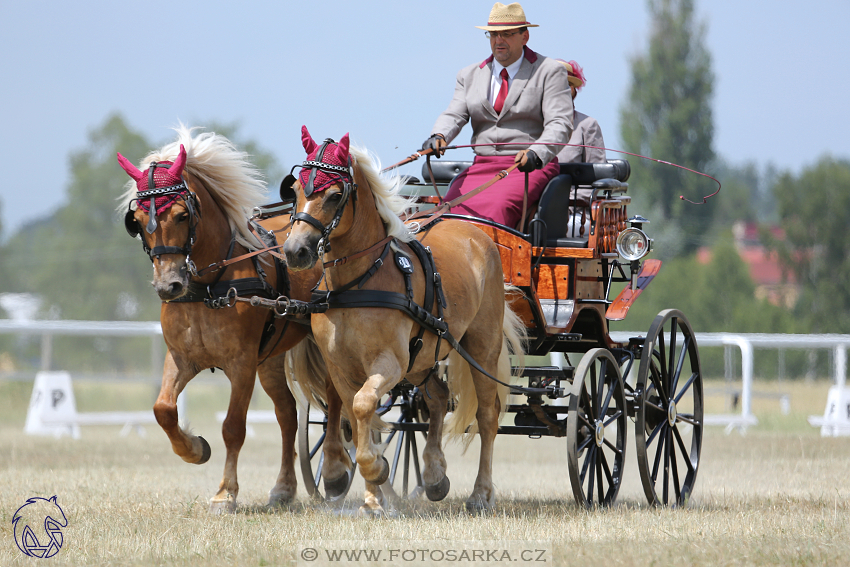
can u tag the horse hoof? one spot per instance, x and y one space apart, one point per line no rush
383 475
367 512
438 491
477 506
337 488
206 451
280 499
222 507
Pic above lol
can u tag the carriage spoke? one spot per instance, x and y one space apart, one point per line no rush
680 364
654 433
607 403
657 382
592 460
656 406
585 418
666 486
586 463
317 445
613 447
319 467
674 464
603 375
600 486
587 414
613 418
671 356
662 355
593 409
685 455
658 452
687 418
686 387
607 469
585 443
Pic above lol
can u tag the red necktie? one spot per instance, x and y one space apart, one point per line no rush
503 92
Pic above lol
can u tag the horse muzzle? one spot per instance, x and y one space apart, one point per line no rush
171 279
300 251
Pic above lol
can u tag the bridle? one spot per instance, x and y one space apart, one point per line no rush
349 192
179 191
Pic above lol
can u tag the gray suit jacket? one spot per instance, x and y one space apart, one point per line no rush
586 132
539 108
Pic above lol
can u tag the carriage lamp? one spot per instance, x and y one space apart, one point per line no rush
633 244
638 221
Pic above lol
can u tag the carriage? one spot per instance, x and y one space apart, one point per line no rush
565 259
560 268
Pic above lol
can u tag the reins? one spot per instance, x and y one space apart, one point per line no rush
661 161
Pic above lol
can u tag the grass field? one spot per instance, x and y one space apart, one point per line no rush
779 495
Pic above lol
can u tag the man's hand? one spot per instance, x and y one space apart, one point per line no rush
527 161
436 143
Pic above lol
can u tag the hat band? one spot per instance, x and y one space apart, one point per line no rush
507 23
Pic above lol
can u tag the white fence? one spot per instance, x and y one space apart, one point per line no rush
745 342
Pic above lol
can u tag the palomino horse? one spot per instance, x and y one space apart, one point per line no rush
202 190
348 216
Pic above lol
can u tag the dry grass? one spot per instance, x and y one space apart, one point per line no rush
778 496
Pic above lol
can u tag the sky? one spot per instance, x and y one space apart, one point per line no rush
382 71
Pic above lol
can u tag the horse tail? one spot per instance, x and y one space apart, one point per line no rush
306 372
463 424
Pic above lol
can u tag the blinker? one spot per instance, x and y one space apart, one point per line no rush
130 224
287 192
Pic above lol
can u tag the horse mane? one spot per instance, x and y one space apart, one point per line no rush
386 189
235 184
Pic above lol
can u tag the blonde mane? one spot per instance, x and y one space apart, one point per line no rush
386 189
236 185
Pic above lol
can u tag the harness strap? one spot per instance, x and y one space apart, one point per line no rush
431 281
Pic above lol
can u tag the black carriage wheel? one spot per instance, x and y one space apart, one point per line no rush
596 429
669 420
311 438
404 411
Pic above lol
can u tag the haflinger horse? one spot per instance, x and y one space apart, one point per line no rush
190 202
348 217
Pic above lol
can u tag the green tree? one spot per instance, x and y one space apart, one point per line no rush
813 208
667 115
80 259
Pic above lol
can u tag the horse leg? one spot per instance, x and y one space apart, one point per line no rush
337 469
373 466
175 376
273 381
484 347
241 377
436 395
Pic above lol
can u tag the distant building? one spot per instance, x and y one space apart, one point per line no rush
773 282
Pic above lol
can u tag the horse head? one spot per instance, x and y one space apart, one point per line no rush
323 188
165 217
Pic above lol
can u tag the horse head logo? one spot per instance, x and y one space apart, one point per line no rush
38 527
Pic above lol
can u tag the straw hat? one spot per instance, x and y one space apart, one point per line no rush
507 17
575 72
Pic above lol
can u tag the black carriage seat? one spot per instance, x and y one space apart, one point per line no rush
558 219
444 171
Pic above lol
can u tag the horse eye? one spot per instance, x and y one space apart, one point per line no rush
183 217
335 196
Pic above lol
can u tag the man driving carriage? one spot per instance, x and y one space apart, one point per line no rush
515 97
